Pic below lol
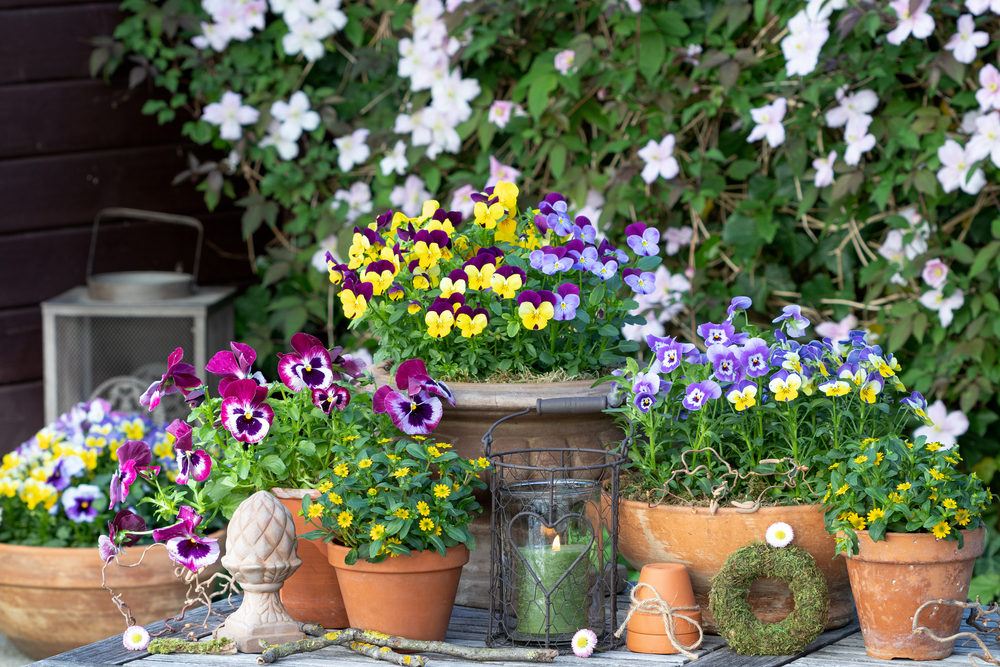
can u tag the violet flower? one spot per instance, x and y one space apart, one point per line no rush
641 282
797 323
309 367
234 365
184 546
585 261
347 365
643 239
123 531
583 230
567 301
717 334
180 376
244 412
644 401
754 356
81 503
413 415
66 468
605 270
134 458
646 383
412 377
699 393
916 402
191 463
736 305
332 397
725 363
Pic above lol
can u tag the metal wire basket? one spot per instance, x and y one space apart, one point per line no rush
554 538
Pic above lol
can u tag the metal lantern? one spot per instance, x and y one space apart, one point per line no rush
117 332
554 538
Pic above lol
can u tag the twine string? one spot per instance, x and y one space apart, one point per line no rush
657 605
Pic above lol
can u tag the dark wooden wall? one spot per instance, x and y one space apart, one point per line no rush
69 146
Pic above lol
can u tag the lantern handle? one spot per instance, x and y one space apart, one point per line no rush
152 216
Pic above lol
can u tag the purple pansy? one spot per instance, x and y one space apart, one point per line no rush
797 323
348 365
646 383
725 364
699 393
234 365
184 545
736 305
643 239
567 301
309 367
134 458
554 208
585 260
244 412
122 532
717 334
180 376
192 463
413 415
583 230
916 402
66 468
82 503
605 270
644 401
332 397
754 356
412 378
542 224
641 282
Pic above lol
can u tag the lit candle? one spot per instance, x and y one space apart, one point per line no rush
568 599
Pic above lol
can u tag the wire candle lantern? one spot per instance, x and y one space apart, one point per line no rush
554 538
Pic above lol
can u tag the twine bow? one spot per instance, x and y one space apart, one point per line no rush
657 605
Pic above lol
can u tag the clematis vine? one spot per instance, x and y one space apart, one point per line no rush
180 377
988 95
855 106
944 306
935 273
858 140
134 458
659 159
944 427
965 43
918 23
183 543
353 149
986 139
768 119
192 463
229 115
244 411
308 367
955 165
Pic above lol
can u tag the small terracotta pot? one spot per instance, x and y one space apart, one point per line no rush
312 594
701 541
891 578
646 632
407 596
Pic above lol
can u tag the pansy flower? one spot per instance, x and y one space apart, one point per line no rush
455 283
585 259
567 301
332 397
412 378
245 414
754 356
506 281
872 387
743 395
641 282
354 298
487 215
646 383
605 270
67 467
479 270
834 387
717 334
555 210
536 308
192 463
738 304
184 545
606 250
785 386
916 402
123 531
234 365
439 318
379 275
583 230
699 393
642 239
413 415
471 322
644 401
180 377
82 503
725 364
851 371
308 367
541 224
338 272
796 323
134 458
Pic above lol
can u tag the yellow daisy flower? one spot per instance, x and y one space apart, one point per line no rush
345 519
426 525
423 509
325 486
941 530
442 491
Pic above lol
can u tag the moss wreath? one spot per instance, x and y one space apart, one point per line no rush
748 635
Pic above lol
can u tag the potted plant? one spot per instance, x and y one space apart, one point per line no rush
54 506
279 437
727 444
908 522
396 509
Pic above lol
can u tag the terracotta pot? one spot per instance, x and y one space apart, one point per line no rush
312 594
891 578
646 632
407 596
51 599
479 406
695 538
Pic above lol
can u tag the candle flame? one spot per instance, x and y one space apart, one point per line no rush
555 544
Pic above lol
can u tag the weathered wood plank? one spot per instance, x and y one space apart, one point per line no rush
51 43
78 115
21 413
63 190
20 345
726 657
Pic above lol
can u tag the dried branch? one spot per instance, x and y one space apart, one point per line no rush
978 619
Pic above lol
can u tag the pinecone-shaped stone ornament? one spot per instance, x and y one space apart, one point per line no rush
260 554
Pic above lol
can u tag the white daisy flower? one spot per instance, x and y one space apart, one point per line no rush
135 638
779 535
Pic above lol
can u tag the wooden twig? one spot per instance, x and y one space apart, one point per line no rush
163 645
357 636
976 619
387 654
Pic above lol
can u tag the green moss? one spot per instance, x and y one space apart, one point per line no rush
748 635
164 645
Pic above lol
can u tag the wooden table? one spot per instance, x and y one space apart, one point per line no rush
468 626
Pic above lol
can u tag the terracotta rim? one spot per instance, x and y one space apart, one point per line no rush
417 561
706 511
919 548
294 494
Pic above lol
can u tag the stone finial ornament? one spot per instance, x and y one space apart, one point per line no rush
260 553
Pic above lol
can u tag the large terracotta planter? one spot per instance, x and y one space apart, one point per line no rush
51 600
407 596
892 578
695 538
477 407
312 594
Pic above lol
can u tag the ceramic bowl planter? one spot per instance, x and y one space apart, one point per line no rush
694 537
312 594
891 578
477 407
407 596
51 599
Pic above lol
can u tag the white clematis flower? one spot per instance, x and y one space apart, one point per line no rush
935 300
954 173
858 140
824 170
768 119
295 116
660 160
230 114
352 149
919 23
395 161
853 106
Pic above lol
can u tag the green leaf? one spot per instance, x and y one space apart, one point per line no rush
608 331
900 333
925 182
984 257
557 160
759 11
741 169
962 252
273 463
596 295
652 51
539 94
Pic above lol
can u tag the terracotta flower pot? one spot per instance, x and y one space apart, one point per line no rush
51 599
891 578
407 596
479 406
312 594
646 632
695 538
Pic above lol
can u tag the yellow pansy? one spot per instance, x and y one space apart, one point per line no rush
488 216
438 324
